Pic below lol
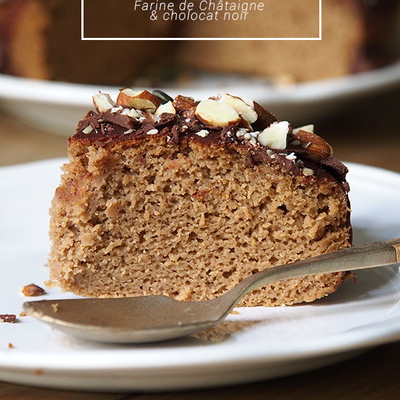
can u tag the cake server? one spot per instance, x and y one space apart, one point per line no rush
156 318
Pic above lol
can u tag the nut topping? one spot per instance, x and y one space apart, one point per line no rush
7 318
103 102
241 107
182 103
275 136
315 145
138 112
216 114
165 108
138 99
307 128
32 290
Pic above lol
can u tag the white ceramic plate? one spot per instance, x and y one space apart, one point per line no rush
57 107
260 343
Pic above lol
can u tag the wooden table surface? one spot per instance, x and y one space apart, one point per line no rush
368 133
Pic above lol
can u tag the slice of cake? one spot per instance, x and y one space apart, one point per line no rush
186 198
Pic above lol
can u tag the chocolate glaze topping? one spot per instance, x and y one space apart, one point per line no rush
115 126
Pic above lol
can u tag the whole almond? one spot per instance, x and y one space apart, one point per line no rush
314 144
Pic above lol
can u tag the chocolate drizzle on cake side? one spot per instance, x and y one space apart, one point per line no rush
259 133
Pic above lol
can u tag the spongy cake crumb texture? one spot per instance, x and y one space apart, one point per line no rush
190 221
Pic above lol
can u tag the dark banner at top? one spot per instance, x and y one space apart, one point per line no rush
201 19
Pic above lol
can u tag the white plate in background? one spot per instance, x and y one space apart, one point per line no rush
262 342
57 107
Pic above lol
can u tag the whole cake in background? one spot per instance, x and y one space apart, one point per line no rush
357 35
42 39
186 198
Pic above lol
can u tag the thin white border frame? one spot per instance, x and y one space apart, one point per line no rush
201 38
